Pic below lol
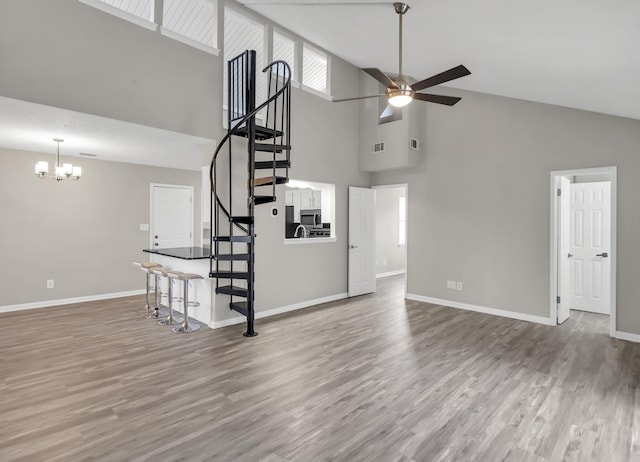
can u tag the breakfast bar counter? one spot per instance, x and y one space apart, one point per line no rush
189 260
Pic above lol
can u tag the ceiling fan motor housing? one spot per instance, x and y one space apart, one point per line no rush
399 97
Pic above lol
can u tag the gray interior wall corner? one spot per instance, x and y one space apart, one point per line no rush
479 208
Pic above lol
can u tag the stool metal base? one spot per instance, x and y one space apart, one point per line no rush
161 313
191 327
170 321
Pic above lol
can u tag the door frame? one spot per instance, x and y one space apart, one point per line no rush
406 228
151 204
554 235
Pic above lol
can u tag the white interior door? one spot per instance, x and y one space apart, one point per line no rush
590 246
564 267
362 239
172 216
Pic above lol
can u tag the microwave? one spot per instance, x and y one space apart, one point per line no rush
310 217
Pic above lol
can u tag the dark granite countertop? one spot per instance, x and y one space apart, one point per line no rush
184 253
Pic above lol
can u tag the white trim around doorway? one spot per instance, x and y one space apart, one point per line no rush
554 249
406 230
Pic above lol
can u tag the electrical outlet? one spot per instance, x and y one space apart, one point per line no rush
49 283
459 286
384 261
451 285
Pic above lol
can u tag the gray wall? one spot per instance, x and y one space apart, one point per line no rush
479 205
66 54
69 55
82 234
387 230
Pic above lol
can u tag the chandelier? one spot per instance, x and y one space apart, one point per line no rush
61 171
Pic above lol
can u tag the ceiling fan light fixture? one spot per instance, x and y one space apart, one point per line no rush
400 97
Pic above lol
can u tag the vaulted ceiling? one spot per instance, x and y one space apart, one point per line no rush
576 53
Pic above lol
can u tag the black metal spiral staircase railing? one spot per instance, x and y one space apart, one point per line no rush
272 140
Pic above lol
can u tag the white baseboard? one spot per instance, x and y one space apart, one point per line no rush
628 336
389 273
69 301
482 309
279 310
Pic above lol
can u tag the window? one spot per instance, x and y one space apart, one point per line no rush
193 20
285 49
314 69
139 12
402 221
309 212
240 34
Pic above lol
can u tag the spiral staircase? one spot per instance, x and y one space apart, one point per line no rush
268 149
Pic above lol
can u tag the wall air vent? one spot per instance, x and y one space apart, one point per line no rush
88 154
414 144
377 147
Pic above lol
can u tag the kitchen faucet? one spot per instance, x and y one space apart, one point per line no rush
305 232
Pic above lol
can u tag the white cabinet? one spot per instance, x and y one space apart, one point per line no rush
310 199
317 199
288 197
302 199
293 197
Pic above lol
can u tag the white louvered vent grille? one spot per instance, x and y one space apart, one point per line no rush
241 34
140 8
314 69
377 147
193 19
414 144
285 49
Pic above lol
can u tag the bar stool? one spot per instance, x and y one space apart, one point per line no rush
169 320
185 327
158 272
146 266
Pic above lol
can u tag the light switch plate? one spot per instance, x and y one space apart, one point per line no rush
144 227
459 286
451 285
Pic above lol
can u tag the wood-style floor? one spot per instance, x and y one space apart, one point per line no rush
374 378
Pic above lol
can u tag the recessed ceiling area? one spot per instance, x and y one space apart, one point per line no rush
32 127
572 53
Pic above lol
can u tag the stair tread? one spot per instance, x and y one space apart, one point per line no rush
258 200
233 290
240 307
234 256
232 238
229 274
269 180
262 133
268 164
247 220
270 147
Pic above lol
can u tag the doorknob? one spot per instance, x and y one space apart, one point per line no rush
569 255
353 246
603 254
156 237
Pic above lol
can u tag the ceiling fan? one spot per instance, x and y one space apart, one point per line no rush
399 92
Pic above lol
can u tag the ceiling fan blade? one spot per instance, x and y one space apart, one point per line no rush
440 99
388 111
357 97
381 77
451 74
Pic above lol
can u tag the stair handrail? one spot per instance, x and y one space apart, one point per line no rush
233 131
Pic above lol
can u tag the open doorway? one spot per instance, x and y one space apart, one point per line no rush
391 231
583 244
